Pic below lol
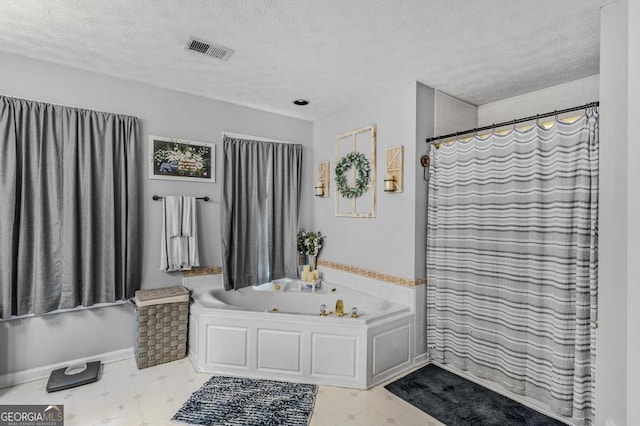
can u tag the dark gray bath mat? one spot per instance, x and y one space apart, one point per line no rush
456 401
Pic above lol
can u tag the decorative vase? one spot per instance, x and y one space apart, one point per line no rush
311 261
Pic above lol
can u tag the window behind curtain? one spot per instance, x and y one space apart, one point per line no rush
69 210
259 215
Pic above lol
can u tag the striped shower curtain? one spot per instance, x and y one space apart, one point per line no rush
512 261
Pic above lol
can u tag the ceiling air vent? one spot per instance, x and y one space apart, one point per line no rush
207 48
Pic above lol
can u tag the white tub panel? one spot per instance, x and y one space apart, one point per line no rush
192 336
279 350
333 355
227 345
357 353
391 348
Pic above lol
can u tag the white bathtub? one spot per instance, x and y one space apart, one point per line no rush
275 331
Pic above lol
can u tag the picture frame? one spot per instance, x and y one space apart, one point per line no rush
181 159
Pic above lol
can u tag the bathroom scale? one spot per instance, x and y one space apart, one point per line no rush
72 376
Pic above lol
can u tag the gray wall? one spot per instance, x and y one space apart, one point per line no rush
567 95
162 113
426 113
617 392
386 243
453 115
633 219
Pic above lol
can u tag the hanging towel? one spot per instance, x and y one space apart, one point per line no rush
179 241
190 229
173 214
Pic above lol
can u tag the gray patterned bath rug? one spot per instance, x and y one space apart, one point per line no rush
240 401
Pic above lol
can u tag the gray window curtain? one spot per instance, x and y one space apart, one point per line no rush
260 205
512 261
69 211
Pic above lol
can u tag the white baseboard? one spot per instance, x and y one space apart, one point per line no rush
421 359
19 377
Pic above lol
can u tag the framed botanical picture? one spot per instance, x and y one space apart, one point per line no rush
179 159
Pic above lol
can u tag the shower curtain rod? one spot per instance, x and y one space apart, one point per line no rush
514 122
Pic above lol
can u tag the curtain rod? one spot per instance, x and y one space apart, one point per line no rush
514 122
159 197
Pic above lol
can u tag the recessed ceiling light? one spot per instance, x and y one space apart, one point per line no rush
301 102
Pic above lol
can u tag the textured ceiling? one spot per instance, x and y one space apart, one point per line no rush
333 52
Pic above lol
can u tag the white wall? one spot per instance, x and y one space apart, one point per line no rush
611 366
426 122
567 95
164 113
387 242
453 115
633 224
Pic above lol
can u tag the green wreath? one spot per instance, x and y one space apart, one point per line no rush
361 164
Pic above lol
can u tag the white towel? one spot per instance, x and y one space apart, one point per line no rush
179 242
173 211
191 230
187 216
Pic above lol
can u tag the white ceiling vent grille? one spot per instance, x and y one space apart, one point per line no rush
207 48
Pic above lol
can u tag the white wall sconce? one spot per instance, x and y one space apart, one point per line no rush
395 168
322 185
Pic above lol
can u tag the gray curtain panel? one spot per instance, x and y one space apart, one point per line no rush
69 211
512 261
260 205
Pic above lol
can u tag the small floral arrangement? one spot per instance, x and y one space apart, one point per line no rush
310 242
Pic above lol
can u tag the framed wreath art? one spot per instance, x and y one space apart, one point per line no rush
360 163
355 173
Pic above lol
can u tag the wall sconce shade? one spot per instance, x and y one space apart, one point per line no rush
390 183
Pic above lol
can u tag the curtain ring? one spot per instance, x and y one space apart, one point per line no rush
537 120
475 132
514 124
493 129
555 114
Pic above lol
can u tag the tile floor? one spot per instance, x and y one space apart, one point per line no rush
128 396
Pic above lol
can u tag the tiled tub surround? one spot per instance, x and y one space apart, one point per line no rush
295 345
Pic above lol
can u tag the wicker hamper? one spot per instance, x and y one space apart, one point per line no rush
161 319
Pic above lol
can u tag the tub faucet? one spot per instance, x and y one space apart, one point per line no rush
339 308
323 310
